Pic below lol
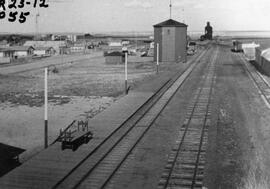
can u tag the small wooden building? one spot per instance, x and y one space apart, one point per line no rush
114 58
172 39
17 51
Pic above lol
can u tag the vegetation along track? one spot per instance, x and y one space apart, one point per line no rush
261 84
95 170
185 166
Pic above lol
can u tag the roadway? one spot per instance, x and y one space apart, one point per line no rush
42 63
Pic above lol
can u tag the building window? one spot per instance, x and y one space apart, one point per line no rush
168 32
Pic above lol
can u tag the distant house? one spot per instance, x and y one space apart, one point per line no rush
22 51
16 51
6 53
56 45
114 58
44 51
115 46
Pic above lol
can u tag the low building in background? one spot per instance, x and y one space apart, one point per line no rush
249 50
77 48
44 51
115 46
54 44
22 51
115 57
14 52
17 51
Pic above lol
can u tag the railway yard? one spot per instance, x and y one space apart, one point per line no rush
201 124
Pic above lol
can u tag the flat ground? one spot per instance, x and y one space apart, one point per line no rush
239 142
80 89
239 136
238 147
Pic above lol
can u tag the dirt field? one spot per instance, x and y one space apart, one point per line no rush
80 89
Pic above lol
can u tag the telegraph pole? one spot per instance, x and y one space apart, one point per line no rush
157 56
170 9
46 108
126 87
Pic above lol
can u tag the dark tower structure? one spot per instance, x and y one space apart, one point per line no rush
208 31
172 39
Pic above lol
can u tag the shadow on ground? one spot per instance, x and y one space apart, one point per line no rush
9 158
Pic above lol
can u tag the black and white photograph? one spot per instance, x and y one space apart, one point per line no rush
134 94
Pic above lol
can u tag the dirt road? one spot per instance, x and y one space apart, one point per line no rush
48 61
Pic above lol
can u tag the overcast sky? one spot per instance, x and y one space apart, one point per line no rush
140 15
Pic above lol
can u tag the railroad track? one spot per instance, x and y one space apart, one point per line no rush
186 162
261 84
99 166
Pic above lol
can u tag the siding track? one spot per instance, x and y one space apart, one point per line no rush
97 170
185 166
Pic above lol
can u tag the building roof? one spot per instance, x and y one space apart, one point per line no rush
264 51
115 53
16 48
115 44
54 44
43 48
170 23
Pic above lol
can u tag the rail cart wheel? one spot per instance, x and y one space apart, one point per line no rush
85 140
62 146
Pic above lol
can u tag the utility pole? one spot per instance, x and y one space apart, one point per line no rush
157 56
183 15
126 84
46 108
62 51
37 28
170 9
